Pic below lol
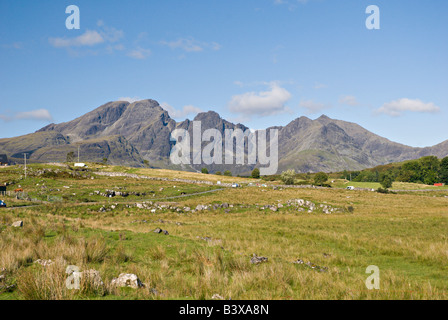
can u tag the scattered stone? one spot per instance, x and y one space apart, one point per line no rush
17 224
256 259
127 280
311 265
158 230
217 297
44 262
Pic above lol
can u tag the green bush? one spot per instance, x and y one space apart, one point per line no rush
320 178
255 173
288 177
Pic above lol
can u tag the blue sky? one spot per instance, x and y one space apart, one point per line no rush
258 62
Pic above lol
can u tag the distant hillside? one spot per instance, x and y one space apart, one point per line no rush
129 133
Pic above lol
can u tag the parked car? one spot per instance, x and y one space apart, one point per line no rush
350 188
235 185
2 204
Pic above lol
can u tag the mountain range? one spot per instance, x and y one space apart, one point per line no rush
138 134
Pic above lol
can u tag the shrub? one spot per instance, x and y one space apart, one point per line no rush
255 173
204 170
386 181
288 177
320 178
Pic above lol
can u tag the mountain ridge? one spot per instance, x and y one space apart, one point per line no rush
130 133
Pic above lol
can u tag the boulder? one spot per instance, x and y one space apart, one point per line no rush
17 224
127 280
93 276
158 230
256 259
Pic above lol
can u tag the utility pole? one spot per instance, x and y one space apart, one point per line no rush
24 155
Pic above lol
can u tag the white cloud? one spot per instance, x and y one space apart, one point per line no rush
129 99
291 4
104 34
313 107
180 114
349 100
191 45
139 53
263 103
398 107
38 115
88 38
320 86
15 45
5 118
111 34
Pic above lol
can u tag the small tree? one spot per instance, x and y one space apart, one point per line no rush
204 170
104 160
146 163
320 178
288 176
218 173
228 173
256 173
386 181
70 156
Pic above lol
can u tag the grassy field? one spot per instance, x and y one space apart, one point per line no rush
340 183
208 252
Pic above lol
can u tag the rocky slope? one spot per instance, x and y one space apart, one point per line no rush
129 133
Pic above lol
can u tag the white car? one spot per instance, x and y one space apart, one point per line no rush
235 185
350 188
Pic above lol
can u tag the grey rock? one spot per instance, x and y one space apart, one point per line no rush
127 280
257 260
17 224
